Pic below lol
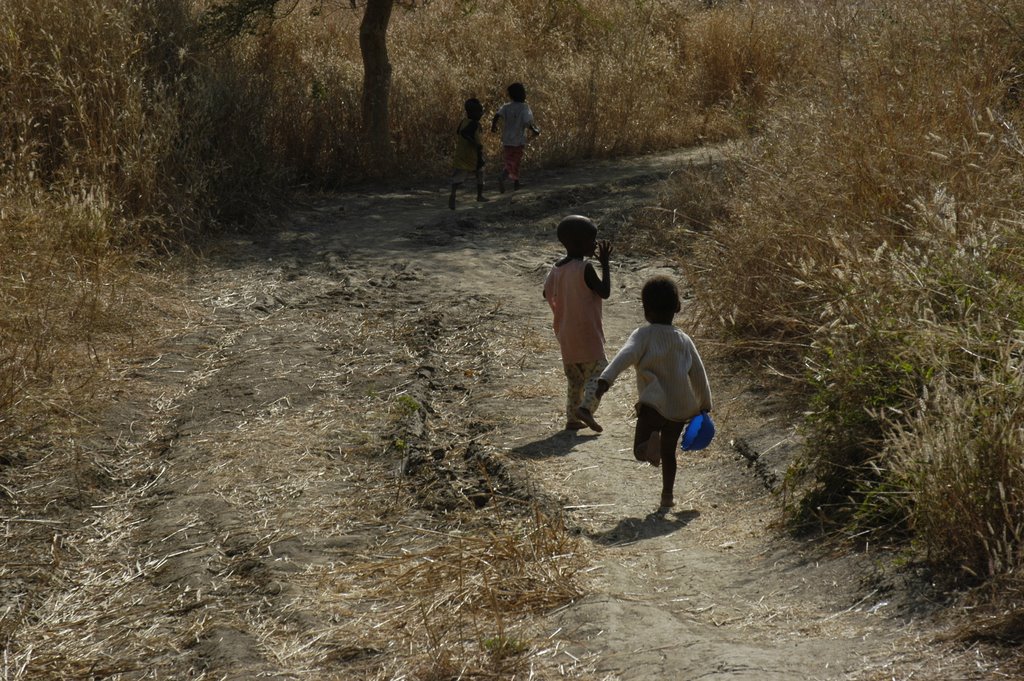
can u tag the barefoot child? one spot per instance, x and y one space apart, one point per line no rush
516 118
574 292
469 152
670 379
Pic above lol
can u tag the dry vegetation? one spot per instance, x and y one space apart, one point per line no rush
869 250
867 245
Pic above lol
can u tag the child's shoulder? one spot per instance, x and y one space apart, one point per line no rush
664 330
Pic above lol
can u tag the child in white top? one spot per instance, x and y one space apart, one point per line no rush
670 377
517 118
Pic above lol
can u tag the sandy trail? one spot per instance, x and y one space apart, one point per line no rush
234 521
704 592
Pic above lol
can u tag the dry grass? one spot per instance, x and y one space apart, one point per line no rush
68 307
581 66
693 201
103 157
868 250
434 599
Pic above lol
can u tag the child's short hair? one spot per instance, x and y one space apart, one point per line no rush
574 227
660 295
474 109
517 92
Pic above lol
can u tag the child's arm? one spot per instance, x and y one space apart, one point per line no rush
494 122
601 286
628 356
529 123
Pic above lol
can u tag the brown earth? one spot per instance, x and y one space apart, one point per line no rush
342 459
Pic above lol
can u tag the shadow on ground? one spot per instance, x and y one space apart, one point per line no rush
557 444
656 524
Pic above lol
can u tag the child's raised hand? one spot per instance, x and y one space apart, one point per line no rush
604 252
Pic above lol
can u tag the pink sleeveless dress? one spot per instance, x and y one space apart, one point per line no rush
577 313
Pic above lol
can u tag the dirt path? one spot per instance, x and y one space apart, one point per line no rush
344 385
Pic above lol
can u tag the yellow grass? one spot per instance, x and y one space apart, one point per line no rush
868 247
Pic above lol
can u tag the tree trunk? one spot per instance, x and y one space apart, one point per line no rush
373 35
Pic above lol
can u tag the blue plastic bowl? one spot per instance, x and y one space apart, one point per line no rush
699 433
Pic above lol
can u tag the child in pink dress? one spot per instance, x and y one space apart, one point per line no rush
575 292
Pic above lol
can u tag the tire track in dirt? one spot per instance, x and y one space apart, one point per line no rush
271 348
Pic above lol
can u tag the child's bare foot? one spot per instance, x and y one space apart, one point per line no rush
667 501
584 415
575 425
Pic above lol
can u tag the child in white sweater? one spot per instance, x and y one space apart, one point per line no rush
670 378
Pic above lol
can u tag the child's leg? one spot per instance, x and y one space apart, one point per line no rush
575 382
513 157
670 434
590 402
505 156
480 186
648 432
458 177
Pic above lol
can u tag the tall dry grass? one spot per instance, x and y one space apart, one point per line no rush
602 78
123 128
872 252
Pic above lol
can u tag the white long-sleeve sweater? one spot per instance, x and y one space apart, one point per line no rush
670 375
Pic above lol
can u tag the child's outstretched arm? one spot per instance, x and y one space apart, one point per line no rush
627 357
602 285
494 122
